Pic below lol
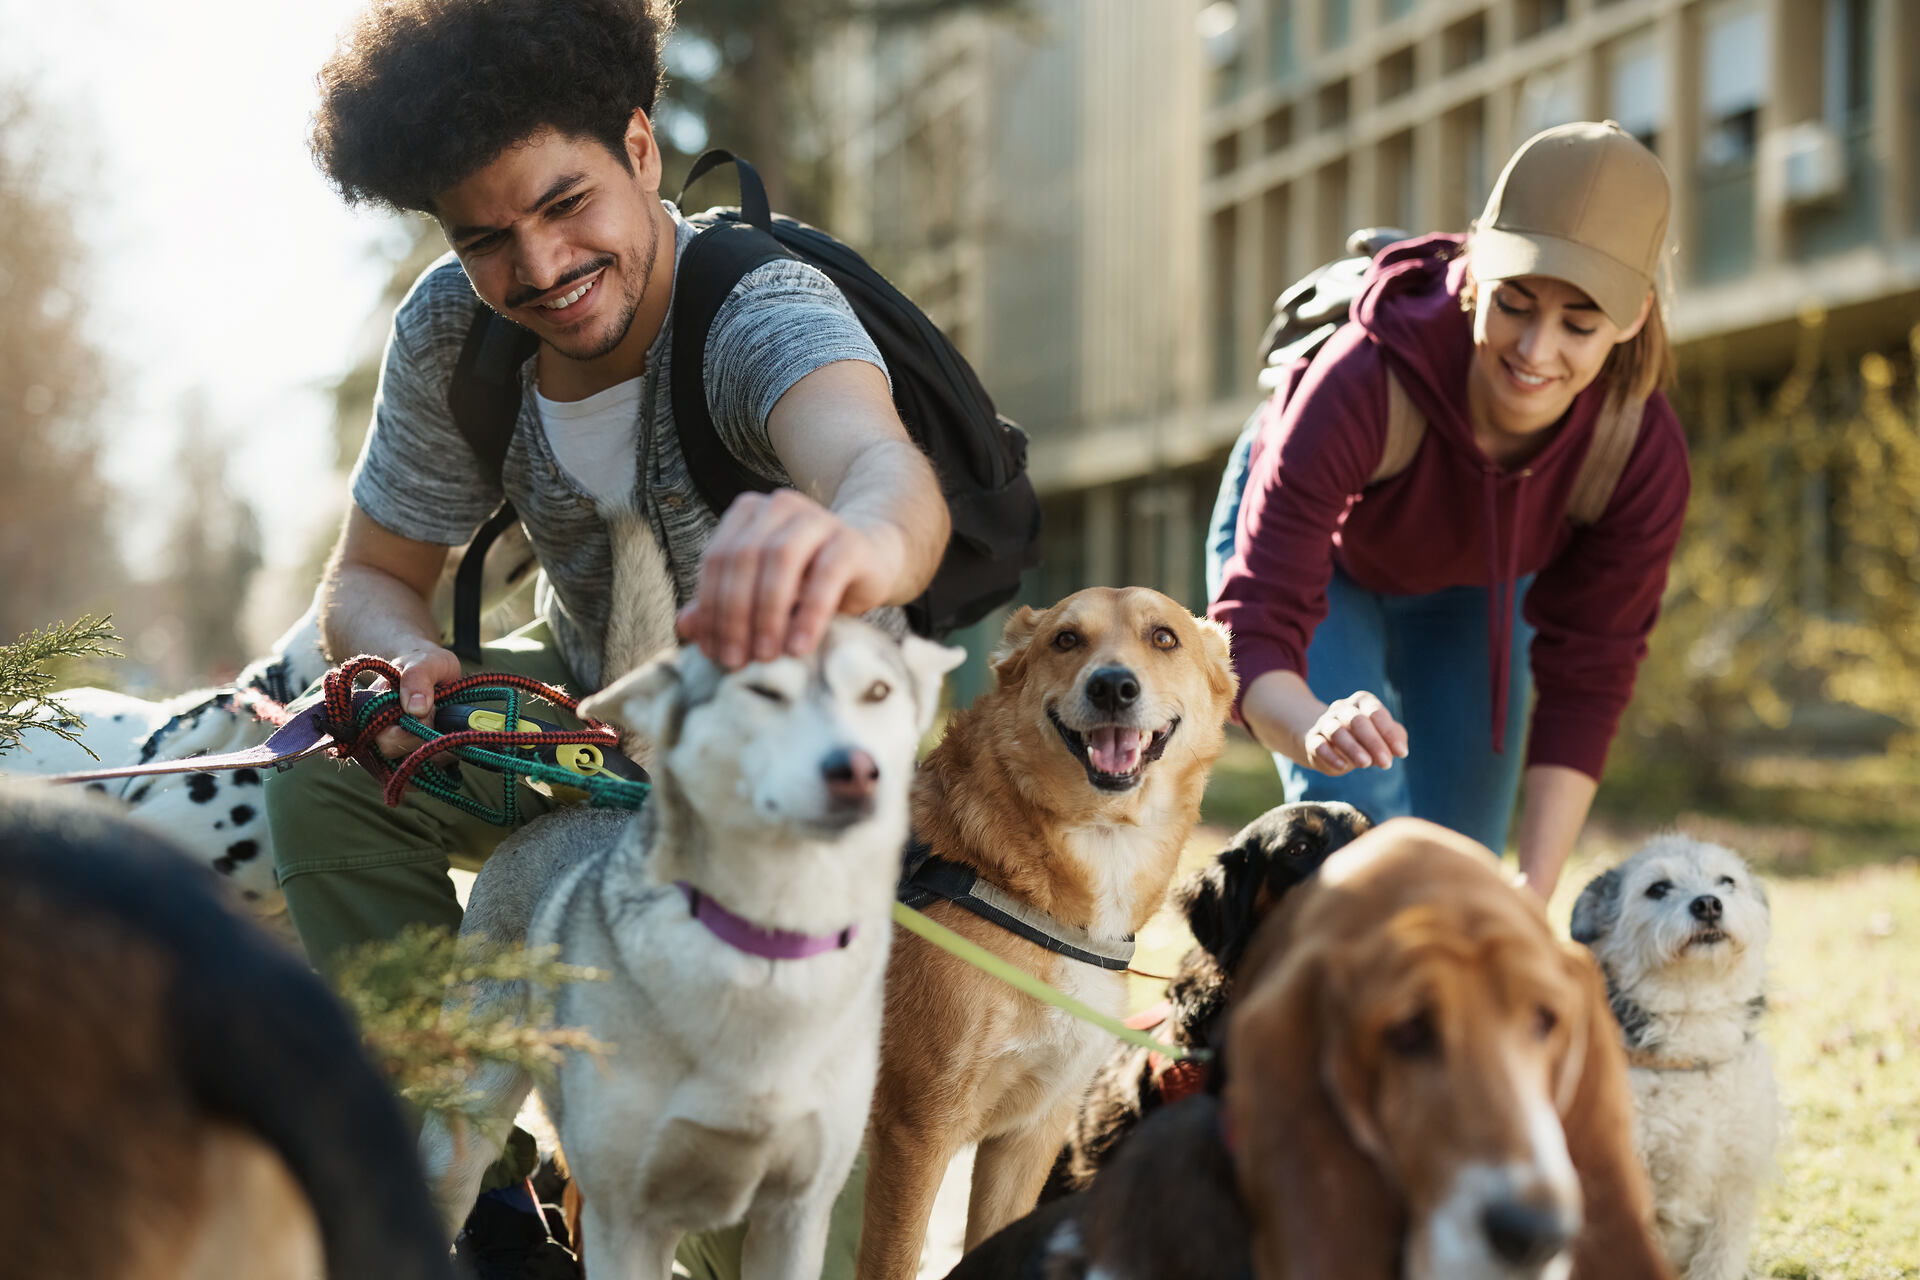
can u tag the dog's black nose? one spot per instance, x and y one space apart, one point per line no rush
852 777
1523 1234
1705 908
1112 688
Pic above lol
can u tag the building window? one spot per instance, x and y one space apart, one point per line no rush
1536 16
1637 87
1221 41
1396 74
1391 9
1733 82
1336 23
1464 43
1852 216
1226 312
1399 198
1733 87
1281 58
1548 97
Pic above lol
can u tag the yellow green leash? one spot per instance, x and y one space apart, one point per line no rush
987 962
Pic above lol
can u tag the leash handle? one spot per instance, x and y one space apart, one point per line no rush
987 962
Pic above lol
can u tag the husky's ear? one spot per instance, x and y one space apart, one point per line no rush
1009 659
1597 909
642 703
928 664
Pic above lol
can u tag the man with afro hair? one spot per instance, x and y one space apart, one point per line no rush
523 128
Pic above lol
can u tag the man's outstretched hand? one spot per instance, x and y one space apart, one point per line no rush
779 567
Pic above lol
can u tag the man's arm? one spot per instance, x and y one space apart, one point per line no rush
864 525
373 599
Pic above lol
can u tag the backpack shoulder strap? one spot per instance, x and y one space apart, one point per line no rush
485 399
717 259
485 392
1406 428
1614 434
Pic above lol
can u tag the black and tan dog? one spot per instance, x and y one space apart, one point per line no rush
185 1099
1224 903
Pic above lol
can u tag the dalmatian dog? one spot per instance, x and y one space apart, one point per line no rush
1681 930
219 816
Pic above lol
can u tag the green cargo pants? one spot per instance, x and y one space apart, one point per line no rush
355 871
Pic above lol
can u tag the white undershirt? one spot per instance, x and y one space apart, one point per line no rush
596 441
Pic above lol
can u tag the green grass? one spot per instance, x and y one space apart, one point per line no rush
1836 841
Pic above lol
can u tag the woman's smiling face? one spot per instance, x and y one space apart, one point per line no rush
1537 343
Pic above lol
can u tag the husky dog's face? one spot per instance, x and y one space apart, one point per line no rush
1680 911
815 744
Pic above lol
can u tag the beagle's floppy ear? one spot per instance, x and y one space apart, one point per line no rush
1009 660
1597 909
1617 1239
1318 1206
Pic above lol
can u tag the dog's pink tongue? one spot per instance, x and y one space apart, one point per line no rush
1114 750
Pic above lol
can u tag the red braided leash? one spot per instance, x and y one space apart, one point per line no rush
356 740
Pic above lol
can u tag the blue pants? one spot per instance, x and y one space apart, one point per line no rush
1425 658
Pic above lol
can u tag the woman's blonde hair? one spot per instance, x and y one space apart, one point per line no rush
1636 368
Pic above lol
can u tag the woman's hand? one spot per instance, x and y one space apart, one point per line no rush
1354 732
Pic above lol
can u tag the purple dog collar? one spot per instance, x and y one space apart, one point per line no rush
744 935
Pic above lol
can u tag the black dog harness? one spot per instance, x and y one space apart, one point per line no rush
927 877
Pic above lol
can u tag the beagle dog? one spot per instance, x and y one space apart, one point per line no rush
1427 1083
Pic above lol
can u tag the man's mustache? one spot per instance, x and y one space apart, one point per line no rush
521 297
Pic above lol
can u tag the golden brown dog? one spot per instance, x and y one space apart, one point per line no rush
1071 787
1424 1082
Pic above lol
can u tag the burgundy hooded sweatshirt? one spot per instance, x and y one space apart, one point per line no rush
1453 517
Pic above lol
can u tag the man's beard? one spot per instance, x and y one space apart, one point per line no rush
616 331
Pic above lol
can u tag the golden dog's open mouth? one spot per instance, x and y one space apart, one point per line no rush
1115 756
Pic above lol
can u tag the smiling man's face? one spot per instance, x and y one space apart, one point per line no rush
558 235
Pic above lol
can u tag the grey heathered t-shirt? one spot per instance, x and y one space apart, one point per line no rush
418 478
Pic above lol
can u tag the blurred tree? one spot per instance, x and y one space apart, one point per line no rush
1756 626
55 509
212 552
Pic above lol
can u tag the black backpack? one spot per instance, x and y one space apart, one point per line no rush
979 456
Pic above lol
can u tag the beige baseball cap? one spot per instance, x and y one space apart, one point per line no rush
1585 203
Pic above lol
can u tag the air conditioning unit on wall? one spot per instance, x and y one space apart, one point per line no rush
1809 163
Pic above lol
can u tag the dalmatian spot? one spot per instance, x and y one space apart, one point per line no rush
246 777
224 866
96 786
140 793
242 814
201 787
242 851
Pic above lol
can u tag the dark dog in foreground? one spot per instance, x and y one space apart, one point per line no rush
1224 903
1165 1208
187 1099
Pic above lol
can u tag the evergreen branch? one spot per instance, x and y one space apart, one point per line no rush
417 1000
27 698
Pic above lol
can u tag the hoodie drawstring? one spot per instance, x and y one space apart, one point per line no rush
1500 598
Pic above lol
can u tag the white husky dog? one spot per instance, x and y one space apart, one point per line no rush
1681 929
743 920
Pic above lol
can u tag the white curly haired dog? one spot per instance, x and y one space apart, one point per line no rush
1681 930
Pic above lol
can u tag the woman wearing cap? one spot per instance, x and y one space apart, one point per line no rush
1388 634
